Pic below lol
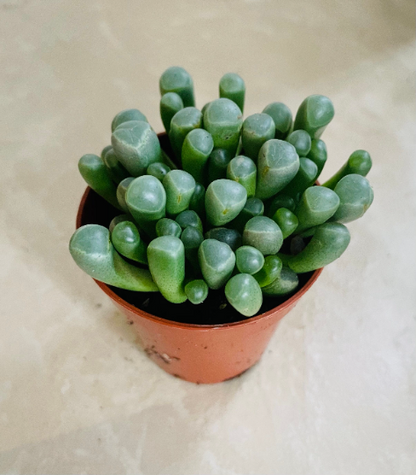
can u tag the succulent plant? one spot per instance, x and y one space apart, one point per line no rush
236 208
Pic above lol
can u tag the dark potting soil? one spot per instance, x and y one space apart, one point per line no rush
214 311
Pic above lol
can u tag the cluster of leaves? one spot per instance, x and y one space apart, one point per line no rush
219 211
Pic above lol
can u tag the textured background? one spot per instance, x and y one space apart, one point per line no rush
335 391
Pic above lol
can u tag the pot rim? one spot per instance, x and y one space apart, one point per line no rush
195 326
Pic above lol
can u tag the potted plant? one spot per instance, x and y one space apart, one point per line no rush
207 235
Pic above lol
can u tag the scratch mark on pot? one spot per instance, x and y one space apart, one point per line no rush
150 352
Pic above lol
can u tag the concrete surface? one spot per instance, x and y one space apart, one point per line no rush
335 392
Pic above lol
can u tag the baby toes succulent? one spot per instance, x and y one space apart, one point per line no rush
227 205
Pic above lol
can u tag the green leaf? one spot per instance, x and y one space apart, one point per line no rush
244 171
179 186
196 291
146 200
305 177
301 140
126 116
189 218
327 244
286 220
181 124
166 256
158 169
249 260
257 129
95 173
230 236
232 87
121 193
284 284
170 104
223 120
126 240
176 79
168 227
196 149
282 118
224 199
314 114
318 154
263 234
270 271
315 207
93 252
359 163
277 165
217 261
244 294
136 146
355 195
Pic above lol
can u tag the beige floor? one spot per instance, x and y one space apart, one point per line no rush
335 392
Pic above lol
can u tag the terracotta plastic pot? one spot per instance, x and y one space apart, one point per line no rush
196 353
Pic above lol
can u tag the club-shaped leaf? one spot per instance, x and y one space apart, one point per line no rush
315 207
284 284
121 193
95 173
196 149
217 261
359 163
192 239
257 129
182 123
318 154
126 240
176 79
305 177
244 294
158 169
179 186
277 165
223 120
327 244
355 195
168 227
127 115
197 202
270 271
224 199
301 140
115 168
166 257
280 201
136 146
189 218
217 164
244 171
282 118
263 234
196 291
93 252
314 114
170 104
253 207
146 201
232 87
249 260
228 235
286 220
